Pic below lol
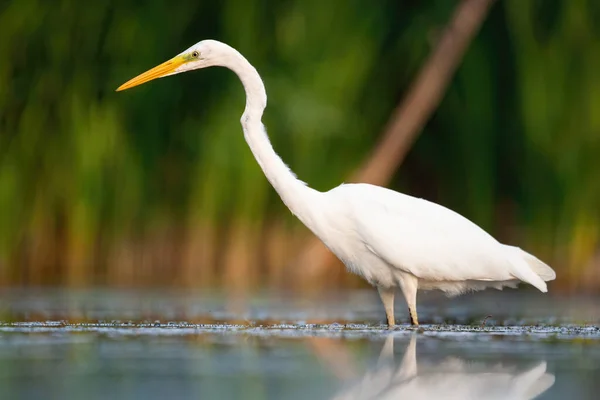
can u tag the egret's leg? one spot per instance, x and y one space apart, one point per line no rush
387 298
409 285
414 319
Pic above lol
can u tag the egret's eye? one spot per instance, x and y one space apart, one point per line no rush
195 54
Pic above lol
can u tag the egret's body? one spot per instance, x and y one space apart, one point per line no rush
390 239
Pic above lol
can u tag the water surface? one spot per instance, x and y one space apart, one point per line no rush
99 344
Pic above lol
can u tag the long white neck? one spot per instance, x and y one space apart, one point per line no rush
297 196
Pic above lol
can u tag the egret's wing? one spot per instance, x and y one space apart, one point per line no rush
424 238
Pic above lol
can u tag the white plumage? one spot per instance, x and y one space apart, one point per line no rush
422 239
390 239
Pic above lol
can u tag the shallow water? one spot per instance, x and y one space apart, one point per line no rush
98 344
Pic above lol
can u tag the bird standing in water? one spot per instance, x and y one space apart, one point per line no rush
390 239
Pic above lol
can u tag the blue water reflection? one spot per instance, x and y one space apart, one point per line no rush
274 350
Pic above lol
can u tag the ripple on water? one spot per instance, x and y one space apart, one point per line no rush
156 328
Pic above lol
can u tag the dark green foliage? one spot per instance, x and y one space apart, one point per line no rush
85 166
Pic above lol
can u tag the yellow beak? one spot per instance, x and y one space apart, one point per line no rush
159 71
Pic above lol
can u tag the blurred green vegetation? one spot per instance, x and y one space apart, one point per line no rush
156 184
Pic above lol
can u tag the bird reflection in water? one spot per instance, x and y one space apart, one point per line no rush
452 378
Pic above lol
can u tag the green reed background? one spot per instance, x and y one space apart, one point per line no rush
156 186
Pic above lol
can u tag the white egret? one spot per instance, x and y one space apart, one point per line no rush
390 239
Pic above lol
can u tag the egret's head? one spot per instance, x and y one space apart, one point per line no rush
206 53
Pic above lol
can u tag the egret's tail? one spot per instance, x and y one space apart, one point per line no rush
538 272
544 271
